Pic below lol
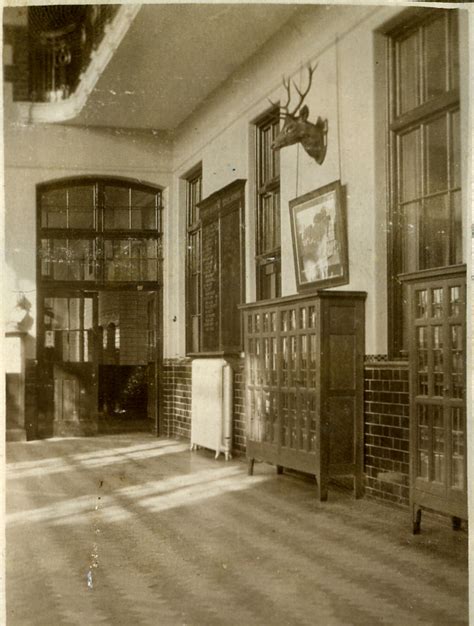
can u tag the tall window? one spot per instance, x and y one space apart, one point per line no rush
193 263
425 155
268 251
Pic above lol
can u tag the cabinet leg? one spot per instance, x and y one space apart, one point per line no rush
279 469
250 466
456 523
416 520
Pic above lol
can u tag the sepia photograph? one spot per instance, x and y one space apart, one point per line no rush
237 313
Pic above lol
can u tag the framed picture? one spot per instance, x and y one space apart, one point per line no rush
318 228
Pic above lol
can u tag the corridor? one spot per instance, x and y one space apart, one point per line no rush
132 530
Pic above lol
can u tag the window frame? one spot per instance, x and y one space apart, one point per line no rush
97 235
267 258
193 230
398 123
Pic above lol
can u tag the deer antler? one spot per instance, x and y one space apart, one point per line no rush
303 95
284 110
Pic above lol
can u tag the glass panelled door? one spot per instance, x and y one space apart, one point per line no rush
69 361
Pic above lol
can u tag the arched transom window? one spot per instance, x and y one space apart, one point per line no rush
98 231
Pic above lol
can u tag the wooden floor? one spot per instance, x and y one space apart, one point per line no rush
130 529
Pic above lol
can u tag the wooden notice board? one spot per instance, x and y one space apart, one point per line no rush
222 258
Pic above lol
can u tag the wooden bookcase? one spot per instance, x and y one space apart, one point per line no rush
437 354
304 384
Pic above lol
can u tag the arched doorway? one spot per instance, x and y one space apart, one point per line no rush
99 278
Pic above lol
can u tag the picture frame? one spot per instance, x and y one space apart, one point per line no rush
319 235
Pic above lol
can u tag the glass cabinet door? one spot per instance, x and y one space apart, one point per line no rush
437 388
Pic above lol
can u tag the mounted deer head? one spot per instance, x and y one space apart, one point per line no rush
297 129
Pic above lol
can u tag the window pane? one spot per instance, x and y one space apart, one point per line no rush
436 154
74 313
435 58
266 141
81 259
268 209
45 257
195 334
438 444
87 313
437 304
455 301
410 158
143 210
276 219
118 219
438 363
457 361
72 346
454 49
409 237
275 153
455 150
408 74
457 435
435 233
59 313
117 207
151 246
81 207
193 198
73 259
54 209
457 238
421 303
193 265
131 259
59 258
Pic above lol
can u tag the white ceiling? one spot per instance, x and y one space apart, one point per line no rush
173 57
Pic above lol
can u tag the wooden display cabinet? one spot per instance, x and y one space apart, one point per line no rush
304 384
437 354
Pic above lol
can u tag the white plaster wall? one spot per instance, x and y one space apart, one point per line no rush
349 90
340 40
35 154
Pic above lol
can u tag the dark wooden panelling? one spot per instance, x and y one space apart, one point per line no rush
222 218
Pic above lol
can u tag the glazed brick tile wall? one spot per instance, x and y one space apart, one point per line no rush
17 72
177 398
177 394
386 415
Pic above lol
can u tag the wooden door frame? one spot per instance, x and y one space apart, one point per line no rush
52 288
46 403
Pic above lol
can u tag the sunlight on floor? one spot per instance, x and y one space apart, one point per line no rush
68 462
159 495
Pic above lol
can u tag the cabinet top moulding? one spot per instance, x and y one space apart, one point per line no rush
220 200
437 272
323 293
